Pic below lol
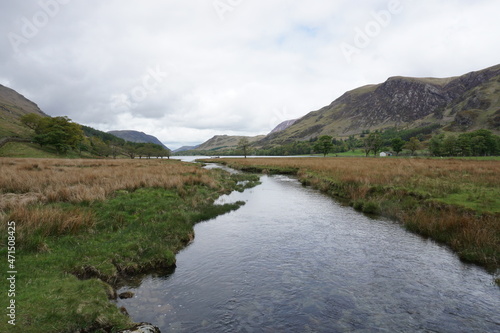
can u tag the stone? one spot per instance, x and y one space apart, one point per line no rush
142 328
127 294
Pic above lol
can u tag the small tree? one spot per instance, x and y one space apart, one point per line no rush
397 145
373 143
436 146
413 145
130 150
244 145
324 145
352 143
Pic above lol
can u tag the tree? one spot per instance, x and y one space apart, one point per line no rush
59 132
324 145
436 147
31 120
352 143
373 143
413 145
99 147
130 150
464 145
83 145
397 145
168 153
244 145
114 149
450 146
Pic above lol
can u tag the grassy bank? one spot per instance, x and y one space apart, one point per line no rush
456 202
32 150
83 225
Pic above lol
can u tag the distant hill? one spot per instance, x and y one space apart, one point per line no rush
135 136
12 106
223 142
463 103
185 148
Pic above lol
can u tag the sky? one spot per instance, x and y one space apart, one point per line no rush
187 70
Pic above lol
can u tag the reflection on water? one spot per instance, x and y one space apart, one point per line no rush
293 260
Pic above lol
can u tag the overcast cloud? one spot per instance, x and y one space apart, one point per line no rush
187 70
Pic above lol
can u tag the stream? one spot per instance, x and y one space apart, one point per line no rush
294 260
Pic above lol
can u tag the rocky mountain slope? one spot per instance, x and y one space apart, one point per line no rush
464 103
283 126
12 106
136 136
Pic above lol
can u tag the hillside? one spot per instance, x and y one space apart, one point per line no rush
223 142
12 106
464 103
136 136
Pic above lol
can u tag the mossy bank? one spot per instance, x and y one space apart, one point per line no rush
82 226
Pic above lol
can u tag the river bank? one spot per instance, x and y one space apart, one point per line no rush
455 202
80 226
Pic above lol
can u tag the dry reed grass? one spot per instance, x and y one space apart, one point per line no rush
27 186
437 178
88 180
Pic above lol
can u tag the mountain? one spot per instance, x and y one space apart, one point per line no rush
283 126
135 136
12 106
463 103
185 148
222 142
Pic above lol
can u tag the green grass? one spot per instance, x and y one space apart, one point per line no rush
31 150
19 149
481 200
65 282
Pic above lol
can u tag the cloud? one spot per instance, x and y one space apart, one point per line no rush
236 71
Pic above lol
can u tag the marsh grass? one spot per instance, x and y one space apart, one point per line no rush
31 190
83 225
456 202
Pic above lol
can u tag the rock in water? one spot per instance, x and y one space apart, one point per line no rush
142 328
125 295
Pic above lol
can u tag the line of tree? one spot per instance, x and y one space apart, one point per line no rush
65 135
396 141
478 143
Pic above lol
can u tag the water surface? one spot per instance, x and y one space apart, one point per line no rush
294 260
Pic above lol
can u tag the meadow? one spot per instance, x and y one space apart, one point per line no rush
455 202
82 226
